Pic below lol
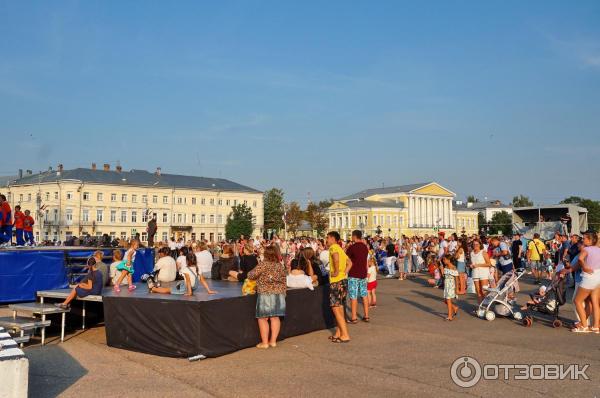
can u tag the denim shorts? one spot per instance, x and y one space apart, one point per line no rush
357 288
270 305
180 288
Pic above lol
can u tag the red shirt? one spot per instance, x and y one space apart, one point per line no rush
28 223
19 218
358 254
6 214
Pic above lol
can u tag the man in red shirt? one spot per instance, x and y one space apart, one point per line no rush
358 253
28 224
5 222
19 219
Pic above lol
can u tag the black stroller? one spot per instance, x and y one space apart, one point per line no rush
549 303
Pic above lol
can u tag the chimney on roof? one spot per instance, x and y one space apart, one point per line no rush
106 167
60 169
20 173
158 170
93 166
119 168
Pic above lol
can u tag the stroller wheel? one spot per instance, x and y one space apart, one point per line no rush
527 322
557 323
490 315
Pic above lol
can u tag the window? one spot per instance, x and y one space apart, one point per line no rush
68 215
113 235
219 219
227 202
99 215
69 196
154 198
144 216
124 197
123 235
193 219
374 220
193 201
124 216
113 216
85 215
86 196
179 200
29 197
144 236
235 202
220 202
21 197
202 236
395 221
179 218
133 198
134 216
144 198
389 220
212 219
55 195
202 219
113 197
47 198
202 201
401 220
99 196
165 217
164 236
212 202
193 236
254 203
165 199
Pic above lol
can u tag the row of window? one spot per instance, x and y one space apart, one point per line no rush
363 222
125 235
123 216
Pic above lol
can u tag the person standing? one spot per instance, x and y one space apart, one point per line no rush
517 250
358 253
535 254
151 231
19 221
28 223
504 262
6 224
339 265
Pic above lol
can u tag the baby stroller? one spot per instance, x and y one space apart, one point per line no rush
548 303
497 301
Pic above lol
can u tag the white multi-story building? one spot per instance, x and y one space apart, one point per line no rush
119 203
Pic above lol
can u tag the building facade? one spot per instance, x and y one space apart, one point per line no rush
119 203
489 208
409 210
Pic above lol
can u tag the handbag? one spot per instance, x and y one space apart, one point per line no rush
249 287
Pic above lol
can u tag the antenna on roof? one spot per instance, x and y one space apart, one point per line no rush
383 185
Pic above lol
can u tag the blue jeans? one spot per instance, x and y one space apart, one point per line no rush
6 235
29 237
20 240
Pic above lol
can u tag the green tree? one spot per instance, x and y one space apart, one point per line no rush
521 201
239 222
273 209
592 206
316 216
501 221
293 217
472 199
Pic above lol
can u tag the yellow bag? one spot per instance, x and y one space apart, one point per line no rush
249 287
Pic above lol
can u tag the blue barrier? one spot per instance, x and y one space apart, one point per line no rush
24 272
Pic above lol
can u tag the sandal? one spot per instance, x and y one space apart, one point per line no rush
353 321
262 346
331 338
366 319
449 319
595 330
580 329
338 340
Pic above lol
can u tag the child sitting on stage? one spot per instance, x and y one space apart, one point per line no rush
191 277
90 285
126 267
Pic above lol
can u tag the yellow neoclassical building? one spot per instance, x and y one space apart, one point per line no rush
119 203
415 209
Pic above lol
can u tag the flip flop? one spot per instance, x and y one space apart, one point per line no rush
337 340
448 319
366 319
353 321
331 338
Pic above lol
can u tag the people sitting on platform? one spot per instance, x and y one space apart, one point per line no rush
205 259
114 272
298 279
270 279
248 262
90 285
165 268
182 255
226 263
101 265
189 284
126 267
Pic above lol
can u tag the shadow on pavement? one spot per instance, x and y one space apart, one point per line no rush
51 371
420 306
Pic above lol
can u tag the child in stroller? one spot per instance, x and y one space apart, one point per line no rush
547 301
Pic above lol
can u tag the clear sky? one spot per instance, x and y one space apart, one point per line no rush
492 98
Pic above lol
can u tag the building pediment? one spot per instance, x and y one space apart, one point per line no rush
433 188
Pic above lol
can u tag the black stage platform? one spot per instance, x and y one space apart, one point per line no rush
209 325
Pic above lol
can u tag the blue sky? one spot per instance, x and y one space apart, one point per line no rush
489 98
